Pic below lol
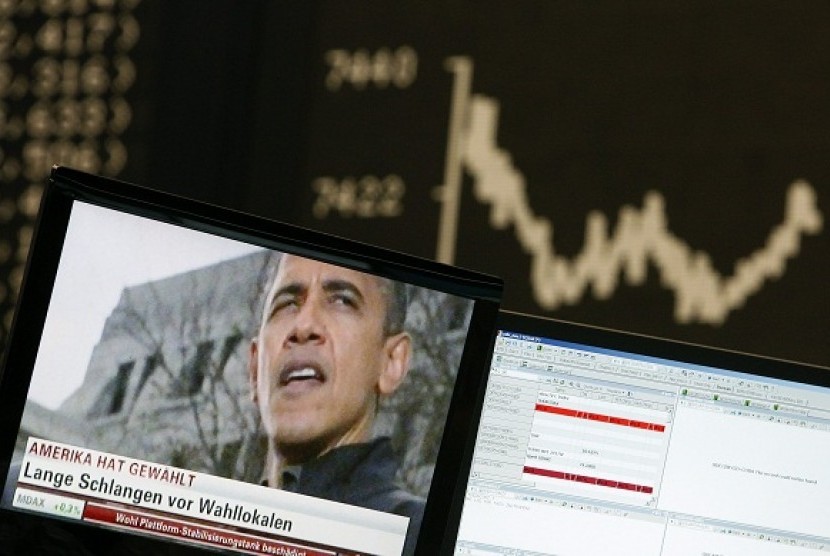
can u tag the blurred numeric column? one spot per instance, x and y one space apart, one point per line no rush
65 69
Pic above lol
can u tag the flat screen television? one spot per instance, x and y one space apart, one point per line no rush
596 441
182 377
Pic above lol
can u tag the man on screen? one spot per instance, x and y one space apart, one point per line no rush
331 342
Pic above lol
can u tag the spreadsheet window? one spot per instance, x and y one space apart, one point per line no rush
584 450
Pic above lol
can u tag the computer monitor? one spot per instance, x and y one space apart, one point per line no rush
209 379
594 441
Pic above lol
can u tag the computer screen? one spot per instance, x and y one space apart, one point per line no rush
598 442
190 374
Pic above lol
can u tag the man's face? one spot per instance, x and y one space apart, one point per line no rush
322 358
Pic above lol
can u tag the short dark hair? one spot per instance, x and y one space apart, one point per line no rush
396 294
397 302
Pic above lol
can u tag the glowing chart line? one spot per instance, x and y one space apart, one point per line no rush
641 236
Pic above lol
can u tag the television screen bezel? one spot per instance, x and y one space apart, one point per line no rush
67 185
623 341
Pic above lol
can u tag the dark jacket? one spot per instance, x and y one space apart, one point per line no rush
361 475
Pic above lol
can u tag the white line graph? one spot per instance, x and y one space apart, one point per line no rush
641 236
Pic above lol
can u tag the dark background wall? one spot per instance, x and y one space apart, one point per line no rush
338 115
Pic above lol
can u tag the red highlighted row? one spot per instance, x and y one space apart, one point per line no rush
194 532
588 480
601 418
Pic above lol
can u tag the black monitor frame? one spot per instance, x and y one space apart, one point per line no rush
67 185
639 344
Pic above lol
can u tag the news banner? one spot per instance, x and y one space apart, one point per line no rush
115 491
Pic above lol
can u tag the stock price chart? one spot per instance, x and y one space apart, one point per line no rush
660 169
655 169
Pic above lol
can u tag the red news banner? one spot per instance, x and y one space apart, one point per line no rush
160 500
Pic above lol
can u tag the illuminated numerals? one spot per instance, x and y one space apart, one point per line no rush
65 70
360 69
366 197
101 27
8 33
